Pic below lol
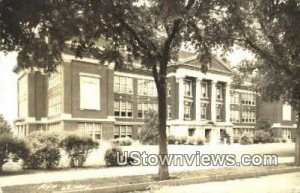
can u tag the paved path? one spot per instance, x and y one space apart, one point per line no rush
69 175
282 183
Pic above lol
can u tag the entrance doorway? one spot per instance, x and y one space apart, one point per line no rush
207 135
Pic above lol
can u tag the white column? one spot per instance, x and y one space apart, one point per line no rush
213 100
198 100
180 98
227 102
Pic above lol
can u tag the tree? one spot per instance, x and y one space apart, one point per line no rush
151 32
12 149
263 124
270 29
4 126
150 131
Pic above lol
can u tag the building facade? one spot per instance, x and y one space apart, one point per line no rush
105 102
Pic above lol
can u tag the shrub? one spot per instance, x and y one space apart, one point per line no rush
276 140
78 148
150 132
195 141
261 136
111 156
236 139
171 139
246 140
181 140
125 141
283 140
44 151
12 149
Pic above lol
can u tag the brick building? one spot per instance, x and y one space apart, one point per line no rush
85 96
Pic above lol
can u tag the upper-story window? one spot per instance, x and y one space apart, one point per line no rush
234 98
248 98
55 102
188 88
144 108
219 112
55 78
123 109
23 96
89 91
146 87
204 111
204 90
187 110
219 92
235 116
286 112
169 111
169 89
123 84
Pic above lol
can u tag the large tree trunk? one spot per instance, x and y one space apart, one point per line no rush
162 112
297 144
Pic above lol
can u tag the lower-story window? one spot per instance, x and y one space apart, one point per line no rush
94 130
121 131
54 127
187 110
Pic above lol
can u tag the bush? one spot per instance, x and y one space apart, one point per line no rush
283 140
195 141
261 136
276 140
171 139
181 140
125 141
111 156
150 132
246 140
44 151
12 149
236 139
77 148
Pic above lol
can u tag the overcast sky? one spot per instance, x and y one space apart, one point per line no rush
8 81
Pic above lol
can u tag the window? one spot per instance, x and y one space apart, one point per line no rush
23 96
218 112
54 127
188 88
123 109
169 112
94 130
204 90
169 89
121 131
144 108
55 78
248 99
123 84
219 92
204 111
187 110
235 116
55 102
147 87
90 92
286 112
249 117
235 98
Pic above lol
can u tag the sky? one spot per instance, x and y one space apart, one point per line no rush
8 81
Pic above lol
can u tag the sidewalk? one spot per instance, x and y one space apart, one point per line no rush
83 174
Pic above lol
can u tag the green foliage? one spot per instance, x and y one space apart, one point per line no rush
262 136
4 126
12 149
126 141
246 139
150 131
45 153
111 156
78 148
